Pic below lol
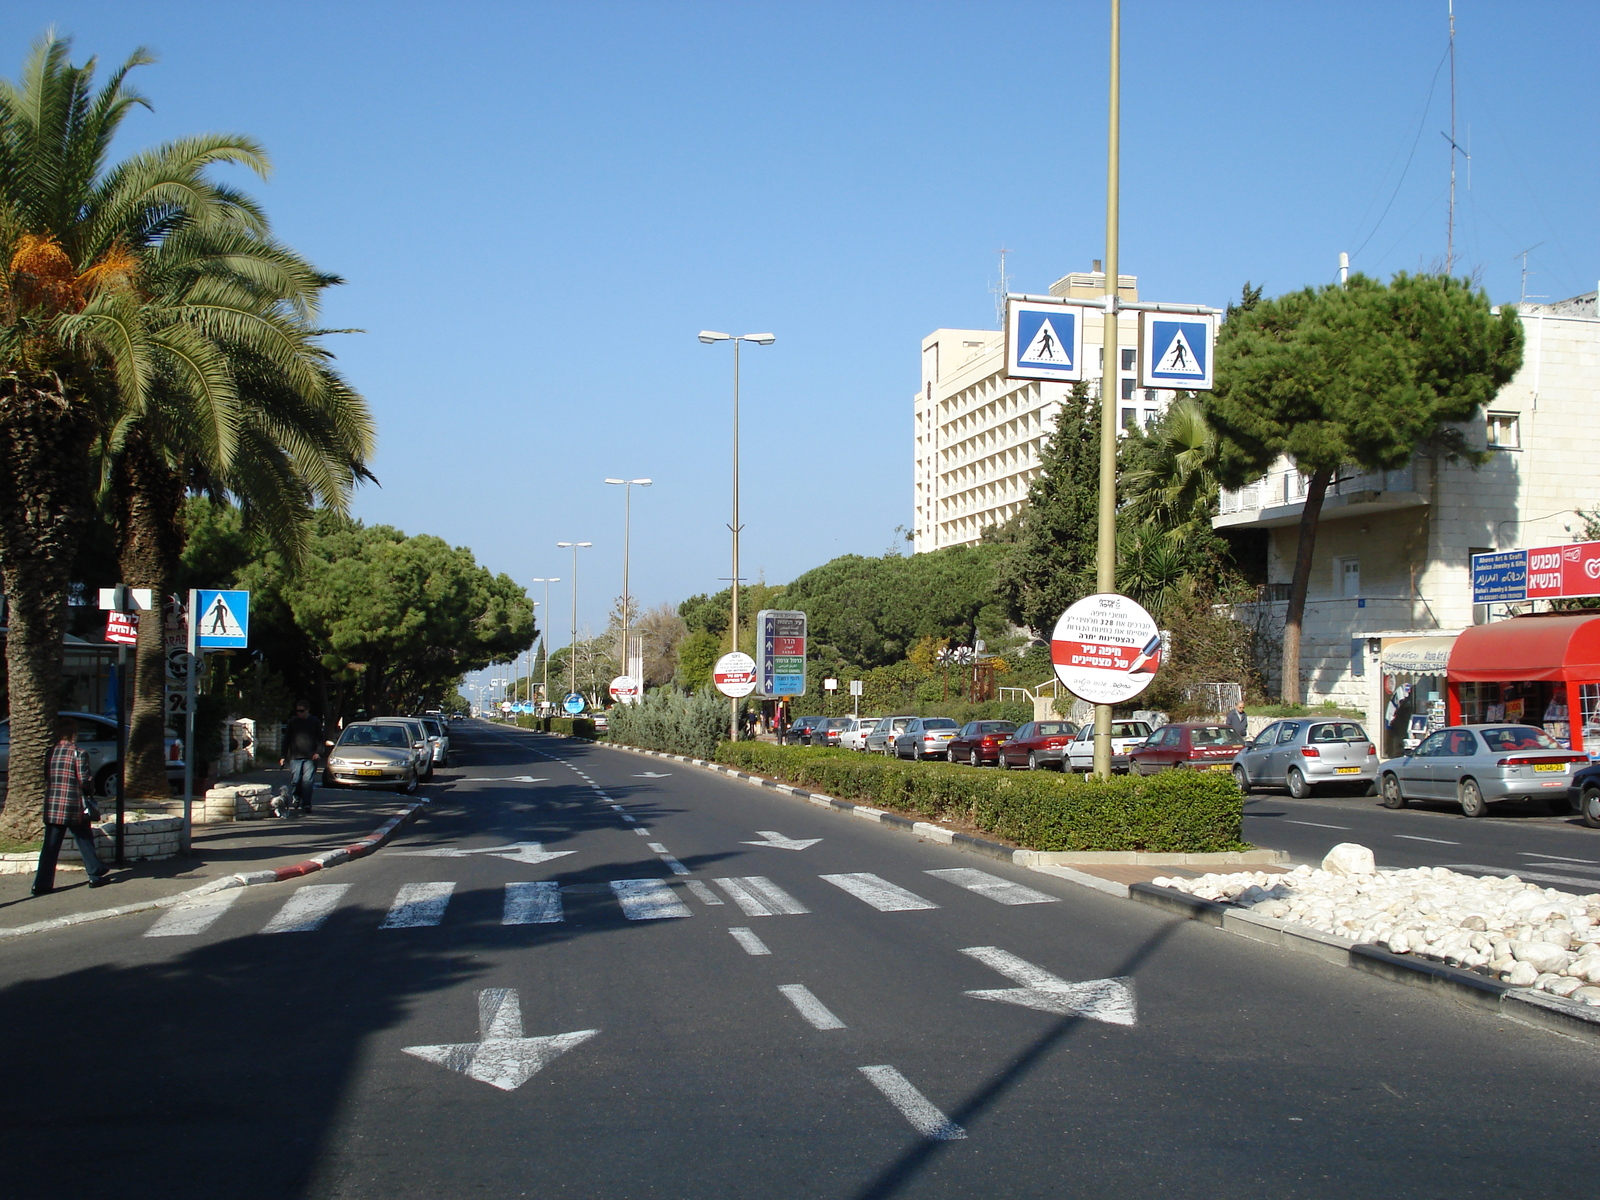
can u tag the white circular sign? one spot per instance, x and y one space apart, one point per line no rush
1105 649
735 675
505 706
625 688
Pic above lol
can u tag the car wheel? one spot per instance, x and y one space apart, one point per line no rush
411 784
1389 788
1033 761
1472 802
1242 779
1589 807
975 761
1296 782
105 780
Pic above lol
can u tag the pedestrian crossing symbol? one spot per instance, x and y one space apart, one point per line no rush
1044 341
1176 352
224 620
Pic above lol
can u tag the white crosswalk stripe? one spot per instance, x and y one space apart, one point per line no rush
185 920
1002 891
648 900
308 908
758 896
880 893
533 904
418 904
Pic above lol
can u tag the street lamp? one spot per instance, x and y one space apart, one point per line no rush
572 655
760 339
627 486
546 632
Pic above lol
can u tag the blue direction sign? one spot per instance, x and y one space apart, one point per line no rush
780 652
1044 341
574 703
1176 351
223 620
1500 577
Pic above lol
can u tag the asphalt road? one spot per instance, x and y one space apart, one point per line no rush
398 1038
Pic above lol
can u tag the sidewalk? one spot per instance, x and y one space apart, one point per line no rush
340 818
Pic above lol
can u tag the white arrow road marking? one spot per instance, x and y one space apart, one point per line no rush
913 1105
307 908
653 775
758 896
186 919
532 904
809 1007
532 853
1003 891
648 900
880 893
418 904
748 940
778 842
1108 1000
501 1057
503 779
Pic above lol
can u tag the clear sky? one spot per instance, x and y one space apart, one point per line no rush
537 206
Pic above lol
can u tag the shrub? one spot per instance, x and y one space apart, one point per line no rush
1174 812
669 721
569 726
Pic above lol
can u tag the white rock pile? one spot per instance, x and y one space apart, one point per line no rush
1518 932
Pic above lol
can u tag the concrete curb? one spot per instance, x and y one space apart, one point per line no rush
317 862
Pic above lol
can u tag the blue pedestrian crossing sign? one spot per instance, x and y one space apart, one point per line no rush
1175 351
1044 340
223 620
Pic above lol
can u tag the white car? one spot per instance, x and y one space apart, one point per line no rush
854 735
1125 735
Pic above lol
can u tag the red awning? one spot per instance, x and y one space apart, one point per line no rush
1528 648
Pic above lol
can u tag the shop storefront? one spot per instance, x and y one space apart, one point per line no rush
1539 670
1413 689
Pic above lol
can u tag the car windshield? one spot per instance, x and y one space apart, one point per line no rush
1213 735
1337 731
375 735
939 723
1517 737
1129 729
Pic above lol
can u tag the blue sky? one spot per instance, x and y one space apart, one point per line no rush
538 206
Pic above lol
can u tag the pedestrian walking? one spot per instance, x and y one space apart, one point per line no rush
1237 721
67 806
302 751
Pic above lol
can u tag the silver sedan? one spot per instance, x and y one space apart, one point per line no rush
1476 765
1306 753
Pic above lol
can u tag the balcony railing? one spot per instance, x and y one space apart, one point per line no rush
1278 488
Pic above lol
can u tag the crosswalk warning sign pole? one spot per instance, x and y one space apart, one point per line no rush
192 619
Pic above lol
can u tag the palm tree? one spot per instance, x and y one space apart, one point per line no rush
1172 480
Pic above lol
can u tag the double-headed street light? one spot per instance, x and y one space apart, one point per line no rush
573 652
760 339
627 486
545 633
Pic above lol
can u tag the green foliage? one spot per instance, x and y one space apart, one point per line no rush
1174 812
1326 709
697 654
672 722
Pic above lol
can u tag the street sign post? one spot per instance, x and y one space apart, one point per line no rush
1044 340
625 689
1105 649
224 620
780 652
735 675
1175 350
574 703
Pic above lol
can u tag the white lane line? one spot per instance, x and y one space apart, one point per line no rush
758 896
913 1105
309 906
1560 858
641 831
629 819
1539 876
533 904
677 867
880 893
418 904
1002 891
1411 837
1319 825
648 900
809 1007
747 940
702 893
188 919
657 847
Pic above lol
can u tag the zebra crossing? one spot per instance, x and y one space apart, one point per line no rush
425 904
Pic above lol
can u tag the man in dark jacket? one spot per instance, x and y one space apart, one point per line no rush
1238 721
302 751
67 782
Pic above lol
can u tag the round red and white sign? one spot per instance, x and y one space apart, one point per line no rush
1105 649
735 675
625 688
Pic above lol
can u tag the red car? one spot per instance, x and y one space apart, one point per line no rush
1188 745
979 742
1038 744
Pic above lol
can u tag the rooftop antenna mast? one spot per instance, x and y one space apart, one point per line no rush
1000 292
1524 257
1450 225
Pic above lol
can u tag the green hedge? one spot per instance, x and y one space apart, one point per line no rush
570 726
1173 812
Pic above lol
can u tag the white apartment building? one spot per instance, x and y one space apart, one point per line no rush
978 435
1393 552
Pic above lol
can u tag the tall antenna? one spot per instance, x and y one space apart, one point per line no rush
1001 290
1450 224
1524 257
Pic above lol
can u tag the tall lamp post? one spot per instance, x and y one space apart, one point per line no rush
760 339
572 654
627 486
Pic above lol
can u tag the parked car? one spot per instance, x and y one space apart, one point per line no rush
1188 745
978 742
1037 745
438 739
800 730
419 742
1583 795
1305 754
1126 736
1477 765
829 731
97 737
378 753
881 738
925 737
855 735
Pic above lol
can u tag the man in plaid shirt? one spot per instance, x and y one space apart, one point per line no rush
67 782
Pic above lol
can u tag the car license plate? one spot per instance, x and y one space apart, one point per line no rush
1550 767
368 771
1347 770
1220 767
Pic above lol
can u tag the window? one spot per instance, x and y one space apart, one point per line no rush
1127 387
1347 576
1288 733
1432 746
1128 359
1503 431
1130 418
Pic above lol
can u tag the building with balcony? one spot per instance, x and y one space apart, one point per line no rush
1394 548
978 435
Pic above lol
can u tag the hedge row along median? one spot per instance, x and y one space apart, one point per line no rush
570 726
1176 812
